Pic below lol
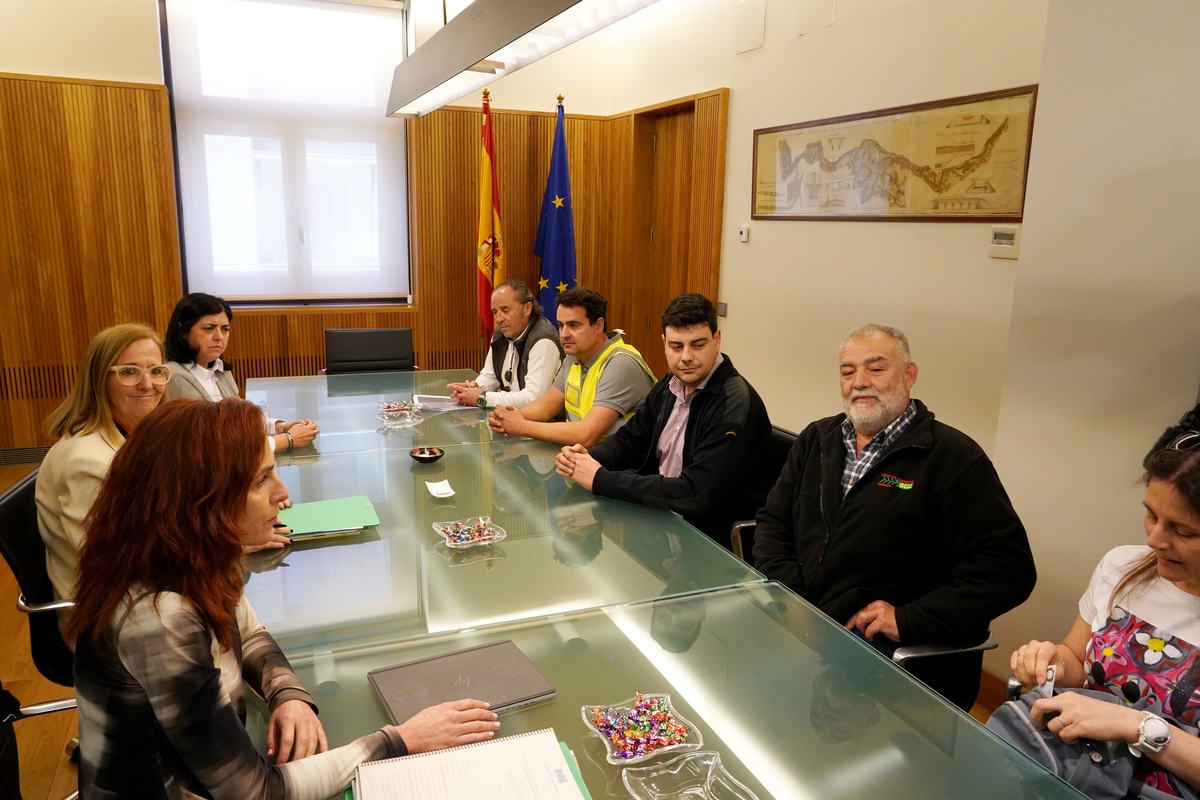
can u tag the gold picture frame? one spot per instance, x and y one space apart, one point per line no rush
964 159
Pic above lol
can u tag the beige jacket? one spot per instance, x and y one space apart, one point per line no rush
67 484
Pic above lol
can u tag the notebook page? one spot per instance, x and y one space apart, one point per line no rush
528 766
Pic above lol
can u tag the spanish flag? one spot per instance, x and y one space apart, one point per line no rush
489 252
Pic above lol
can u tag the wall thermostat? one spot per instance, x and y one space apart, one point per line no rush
1006 241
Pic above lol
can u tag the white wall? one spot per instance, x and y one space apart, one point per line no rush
1104 350
109 40
798 287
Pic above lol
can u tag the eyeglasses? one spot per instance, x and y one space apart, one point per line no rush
131 374
1188 440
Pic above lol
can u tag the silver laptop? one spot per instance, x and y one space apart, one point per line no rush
497 673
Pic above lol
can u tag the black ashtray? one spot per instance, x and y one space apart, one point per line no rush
426 455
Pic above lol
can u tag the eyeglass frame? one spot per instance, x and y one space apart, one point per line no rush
116 369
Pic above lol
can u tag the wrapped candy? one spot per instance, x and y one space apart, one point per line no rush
648 725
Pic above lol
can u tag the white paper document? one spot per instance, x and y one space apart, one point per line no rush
527 766
435 402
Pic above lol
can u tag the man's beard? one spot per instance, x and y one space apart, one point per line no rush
870 421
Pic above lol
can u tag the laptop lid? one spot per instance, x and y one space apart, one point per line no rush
497 673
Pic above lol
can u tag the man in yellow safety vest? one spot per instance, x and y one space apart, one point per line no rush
600 383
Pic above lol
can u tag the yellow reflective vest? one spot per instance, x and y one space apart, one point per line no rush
580 391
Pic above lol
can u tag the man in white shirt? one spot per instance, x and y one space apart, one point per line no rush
523 357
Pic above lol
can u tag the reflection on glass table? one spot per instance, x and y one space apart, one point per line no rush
565 550
795 706
347 406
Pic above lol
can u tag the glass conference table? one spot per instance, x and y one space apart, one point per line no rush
795 706
344 406
565 549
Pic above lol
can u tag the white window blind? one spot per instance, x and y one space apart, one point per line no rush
292 179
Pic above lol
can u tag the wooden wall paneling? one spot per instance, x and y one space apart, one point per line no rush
88 213
708 193
588 152
444 152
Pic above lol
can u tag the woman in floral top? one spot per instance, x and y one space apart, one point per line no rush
1137 636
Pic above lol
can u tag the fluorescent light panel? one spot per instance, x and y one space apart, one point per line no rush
569 25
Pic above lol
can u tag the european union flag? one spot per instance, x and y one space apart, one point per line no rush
556 230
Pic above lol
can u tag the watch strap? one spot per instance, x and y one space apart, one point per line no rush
1151 744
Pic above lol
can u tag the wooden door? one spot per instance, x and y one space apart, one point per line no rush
665 274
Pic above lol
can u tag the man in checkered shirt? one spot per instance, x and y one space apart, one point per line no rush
894 524
693 445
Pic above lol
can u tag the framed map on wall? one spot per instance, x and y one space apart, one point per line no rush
961 159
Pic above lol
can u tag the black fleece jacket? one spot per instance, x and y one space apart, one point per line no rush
928 529
727 429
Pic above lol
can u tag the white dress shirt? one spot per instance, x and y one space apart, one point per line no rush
543 360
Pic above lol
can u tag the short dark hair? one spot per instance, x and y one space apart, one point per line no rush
523 294
591 301
690 309
187 313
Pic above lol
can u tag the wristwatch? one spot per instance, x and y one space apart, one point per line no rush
481 401
1153 735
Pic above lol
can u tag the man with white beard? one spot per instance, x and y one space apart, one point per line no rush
894 524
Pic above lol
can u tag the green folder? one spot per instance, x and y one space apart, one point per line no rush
323 518
574 765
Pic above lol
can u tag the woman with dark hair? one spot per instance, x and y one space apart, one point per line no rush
121 380
164 637
1137 636
197 335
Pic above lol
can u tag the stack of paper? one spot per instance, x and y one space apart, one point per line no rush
436 402
327 519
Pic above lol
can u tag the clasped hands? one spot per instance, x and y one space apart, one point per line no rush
303 431
506 420
574 462
465 393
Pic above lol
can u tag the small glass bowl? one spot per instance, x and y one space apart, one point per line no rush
446 529
694 739
398 415
691 776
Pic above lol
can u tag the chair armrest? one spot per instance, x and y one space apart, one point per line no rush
48 707
735 536
903 654
26 607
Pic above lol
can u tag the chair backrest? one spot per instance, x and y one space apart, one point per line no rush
777 452
23 549
368 350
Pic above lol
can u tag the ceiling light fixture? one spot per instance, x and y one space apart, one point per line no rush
488 40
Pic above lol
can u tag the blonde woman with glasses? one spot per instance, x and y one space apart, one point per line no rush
121 380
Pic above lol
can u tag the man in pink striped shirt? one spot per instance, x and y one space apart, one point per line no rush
691 445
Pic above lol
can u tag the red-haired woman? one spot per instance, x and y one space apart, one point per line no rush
164 637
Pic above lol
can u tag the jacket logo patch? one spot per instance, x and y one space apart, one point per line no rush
894 482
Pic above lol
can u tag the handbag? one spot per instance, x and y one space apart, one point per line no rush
1101 770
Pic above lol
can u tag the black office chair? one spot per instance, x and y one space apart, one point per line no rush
369 350
741 534
22 547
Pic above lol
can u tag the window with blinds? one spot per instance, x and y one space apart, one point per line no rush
292 180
